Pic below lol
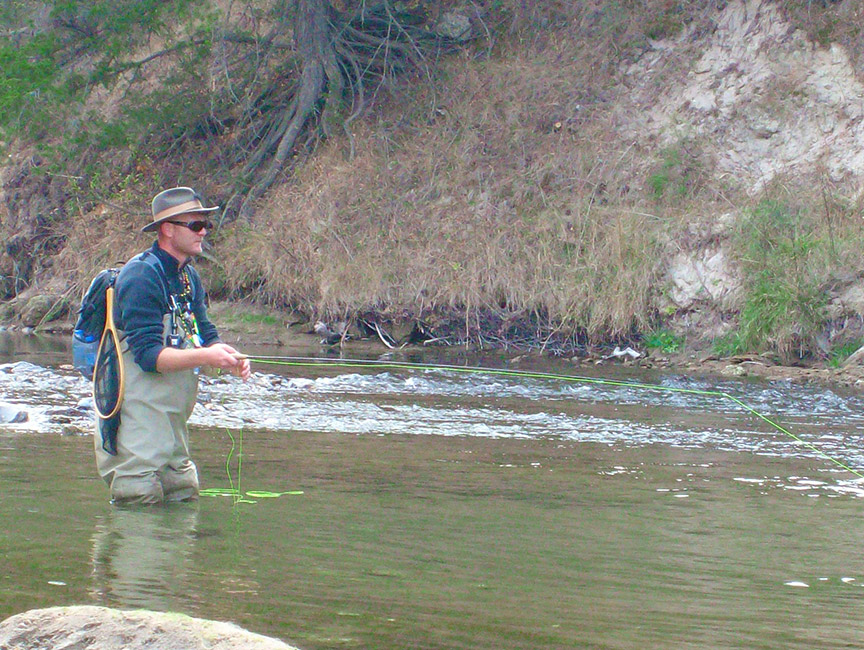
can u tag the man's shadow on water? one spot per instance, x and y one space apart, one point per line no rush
141 556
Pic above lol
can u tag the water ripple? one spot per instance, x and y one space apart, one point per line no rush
677 411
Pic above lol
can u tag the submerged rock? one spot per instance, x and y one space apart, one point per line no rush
102 628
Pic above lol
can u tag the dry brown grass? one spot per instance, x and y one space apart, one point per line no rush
96 240
831 21
512 193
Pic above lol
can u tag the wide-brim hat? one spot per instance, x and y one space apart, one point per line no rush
173 202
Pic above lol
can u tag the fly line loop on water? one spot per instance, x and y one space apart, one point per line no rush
312 362
234 489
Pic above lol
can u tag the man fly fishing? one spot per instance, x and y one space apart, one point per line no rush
165 335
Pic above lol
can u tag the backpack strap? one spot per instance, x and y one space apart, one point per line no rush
152 260
155 263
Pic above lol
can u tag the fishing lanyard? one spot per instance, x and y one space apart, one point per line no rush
182 313
311 362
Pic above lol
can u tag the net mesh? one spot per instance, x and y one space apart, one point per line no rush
106 377
108 431
107 390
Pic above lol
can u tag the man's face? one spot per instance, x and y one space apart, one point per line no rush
184 242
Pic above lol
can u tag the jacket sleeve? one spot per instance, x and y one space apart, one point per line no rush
140 310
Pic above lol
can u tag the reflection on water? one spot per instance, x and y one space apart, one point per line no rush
141 556
45 350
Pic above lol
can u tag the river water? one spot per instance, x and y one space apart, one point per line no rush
436 509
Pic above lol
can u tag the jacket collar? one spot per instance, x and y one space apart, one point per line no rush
169 262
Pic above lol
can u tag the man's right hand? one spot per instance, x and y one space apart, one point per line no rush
226 357
217 355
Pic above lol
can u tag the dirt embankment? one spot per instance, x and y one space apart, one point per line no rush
706 118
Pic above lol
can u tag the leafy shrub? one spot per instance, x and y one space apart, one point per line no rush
28 90
664 340
780 256
45 76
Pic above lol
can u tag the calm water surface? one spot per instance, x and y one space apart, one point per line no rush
449 511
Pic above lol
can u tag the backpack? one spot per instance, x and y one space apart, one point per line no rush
91 314
91 322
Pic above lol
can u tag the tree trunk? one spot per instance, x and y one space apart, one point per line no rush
314 41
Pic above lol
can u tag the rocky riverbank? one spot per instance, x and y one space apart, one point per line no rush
252 327
271 328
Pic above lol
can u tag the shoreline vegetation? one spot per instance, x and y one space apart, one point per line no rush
569 178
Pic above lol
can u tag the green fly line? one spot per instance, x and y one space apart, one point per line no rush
307 362
235 491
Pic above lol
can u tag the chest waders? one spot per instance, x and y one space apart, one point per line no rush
153 463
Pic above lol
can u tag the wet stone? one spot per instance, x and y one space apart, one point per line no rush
12 414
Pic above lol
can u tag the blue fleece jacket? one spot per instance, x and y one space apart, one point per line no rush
141 304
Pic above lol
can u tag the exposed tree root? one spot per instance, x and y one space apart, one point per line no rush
339 58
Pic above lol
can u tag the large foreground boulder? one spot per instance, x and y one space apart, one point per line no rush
101 628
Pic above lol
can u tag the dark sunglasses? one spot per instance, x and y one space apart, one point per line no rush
195 226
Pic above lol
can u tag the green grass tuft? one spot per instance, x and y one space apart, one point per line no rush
838 355
664 340
783 262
